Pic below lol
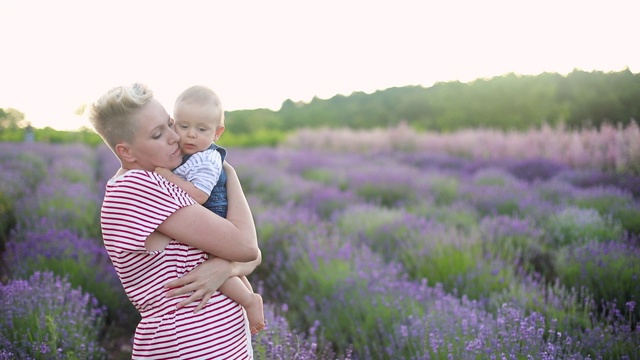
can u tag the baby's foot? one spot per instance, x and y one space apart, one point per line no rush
255 313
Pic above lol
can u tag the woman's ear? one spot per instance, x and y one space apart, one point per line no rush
123 151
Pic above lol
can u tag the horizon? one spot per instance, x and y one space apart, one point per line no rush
307 101
257 55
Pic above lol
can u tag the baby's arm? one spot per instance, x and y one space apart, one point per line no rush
198 195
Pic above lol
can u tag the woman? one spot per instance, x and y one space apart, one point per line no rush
159 238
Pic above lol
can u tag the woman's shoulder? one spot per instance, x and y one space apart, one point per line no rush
144 181
130 175
138 176
147 187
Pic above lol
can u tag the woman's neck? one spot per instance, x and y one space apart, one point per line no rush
121 172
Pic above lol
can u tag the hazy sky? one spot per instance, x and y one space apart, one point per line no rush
58 55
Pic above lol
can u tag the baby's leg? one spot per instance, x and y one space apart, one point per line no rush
246 283
236 290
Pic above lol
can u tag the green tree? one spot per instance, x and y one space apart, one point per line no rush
11 119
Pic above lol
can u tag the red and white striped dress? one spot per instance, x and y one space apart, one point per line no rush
135 204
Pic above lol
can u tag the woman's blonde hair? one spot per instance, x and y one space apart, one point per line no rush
112 114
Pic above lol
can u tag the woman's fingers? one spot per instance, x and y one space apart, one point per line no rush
185 286
181 286
187 301
204 297
180 291
203 302
200 284
179 282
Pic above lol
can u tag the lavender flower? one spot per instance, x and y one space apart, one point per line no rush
83 261
45 318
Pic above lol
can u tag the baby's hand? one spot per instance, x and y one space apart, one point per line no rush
166 173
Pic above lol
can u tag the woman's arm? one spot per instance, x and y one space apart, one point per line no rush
233 238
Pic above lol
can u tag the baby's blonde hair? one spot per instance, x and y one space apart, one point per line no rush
112 114
202 95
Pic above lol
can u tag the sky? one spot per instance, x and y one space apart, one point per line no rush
60 55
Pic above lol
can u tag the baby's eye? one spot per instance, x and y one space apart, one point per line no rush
183 126
202 129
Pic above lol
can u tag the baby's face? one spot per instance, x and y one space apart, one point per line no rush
196 127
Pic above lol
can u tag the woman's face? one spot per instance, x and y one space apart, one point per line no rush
155 143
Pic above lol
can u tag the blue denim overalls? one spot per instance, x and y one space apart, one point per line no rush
217 201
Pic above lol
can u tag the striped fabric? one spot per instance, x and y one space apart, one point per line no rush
202 169
135 204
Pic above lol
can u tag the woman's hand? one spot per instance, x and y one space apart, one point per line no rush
203 281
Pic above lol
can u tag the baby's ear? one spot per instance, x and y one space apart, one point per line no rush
219 131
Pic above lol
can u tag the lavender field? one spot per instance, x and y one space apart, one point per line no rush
376 245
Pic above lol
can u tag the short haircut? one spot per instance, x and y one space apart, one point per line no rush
112 115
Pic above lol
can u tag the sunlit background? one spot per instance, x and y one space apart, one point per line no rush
59 55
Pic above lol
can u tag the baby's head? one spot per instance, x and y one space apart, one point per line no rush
199 118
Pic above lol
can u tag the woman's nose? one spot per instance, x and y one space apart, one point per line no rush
174 137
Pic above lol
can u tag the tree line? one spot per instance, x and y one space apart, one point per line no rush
508 102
